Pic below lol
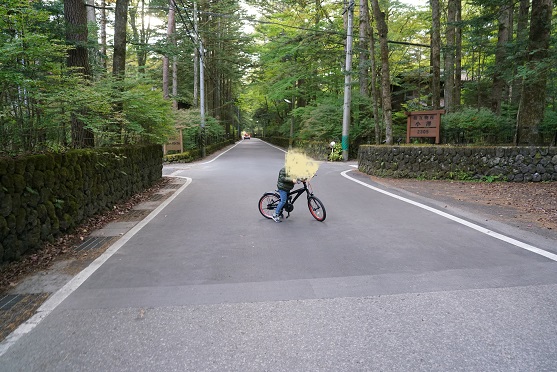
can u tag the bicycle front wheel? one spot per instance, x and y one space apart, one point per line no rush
316 208
268 203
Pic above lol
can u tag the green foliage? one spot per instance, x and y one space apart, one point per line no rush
471 126
320 121
460 175
548 127
336 153
47 96
148 116
492 178
193 134
29 56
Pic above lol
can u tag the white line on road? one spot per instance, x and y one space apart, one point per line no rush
224 152
471 225
59 296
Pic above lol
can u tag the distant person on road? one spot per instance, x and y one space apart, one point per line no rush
284 185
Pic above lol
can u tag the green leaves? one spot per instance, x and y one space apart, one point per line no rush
475 126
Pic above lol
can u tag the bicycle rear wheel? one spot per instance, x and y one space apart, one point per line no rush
268 203
316 208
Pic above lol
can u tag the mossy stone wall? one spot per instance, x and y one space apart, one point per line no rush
516 164
43 196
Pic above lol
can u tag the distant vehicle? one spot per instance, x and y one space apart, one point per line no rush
247 136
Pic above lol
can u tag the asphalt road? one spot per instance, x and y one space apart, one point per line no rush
208 284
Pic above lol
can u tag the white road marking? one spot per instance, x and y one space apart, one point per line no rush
59 296
471 225
276 147
221 154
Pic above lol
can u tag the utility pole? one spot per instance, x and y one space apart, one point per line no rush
201 79
347 82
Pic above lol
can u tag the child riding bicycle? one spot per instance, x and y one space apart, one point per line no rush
284 185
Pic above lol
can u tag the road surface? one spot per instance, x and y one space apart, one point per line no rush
385 283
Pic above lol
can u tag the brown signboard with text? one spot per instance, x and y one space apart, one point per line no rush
424 124
175 143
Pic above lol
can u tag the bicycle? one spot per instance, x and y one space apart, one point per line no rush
269 201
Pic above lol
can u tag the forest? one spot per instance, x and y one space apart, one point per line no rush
94 73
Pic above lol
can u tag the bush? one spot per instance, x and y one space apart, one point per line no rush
190 121
471 126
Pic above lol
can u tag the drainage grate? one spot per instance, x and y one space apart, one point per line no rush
157 197
173 186
93 242
16 309
8 301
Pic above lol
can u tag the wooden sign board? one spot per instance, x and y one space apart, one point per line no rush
175 143
424 124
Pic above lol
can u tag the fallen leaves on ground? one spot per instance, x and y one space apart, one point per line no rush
519 203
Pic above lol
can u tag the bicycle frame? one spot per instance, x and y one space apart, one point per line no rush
293 195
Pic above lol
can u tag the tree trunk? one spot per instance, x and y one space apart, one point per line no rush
175 82
91 17
383 31
499 84
119 55
374 92
75 15
435 55
166 60
450 56
521 48
120 24
532 103
458 56
103 35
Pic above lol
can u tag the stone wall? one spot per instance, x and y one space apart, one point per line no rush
44 196
516 164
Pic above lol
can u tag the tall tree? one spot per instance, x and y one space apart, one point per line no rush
120 23
374 91
532 103
103 22
383 31
75 14
435 55
450 48
520 48
170 31
458 55
499 85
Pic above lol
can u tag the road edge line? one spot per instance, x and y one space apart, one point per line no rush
57 297
469 224
221 154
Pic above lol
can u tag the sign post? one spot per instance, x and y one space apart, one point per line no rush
424 124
